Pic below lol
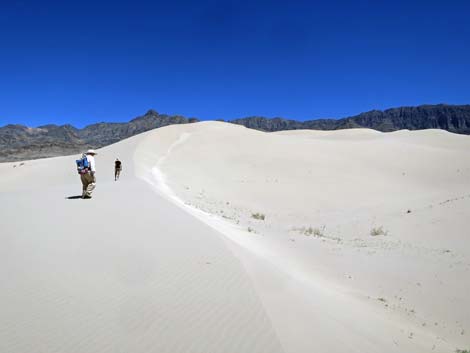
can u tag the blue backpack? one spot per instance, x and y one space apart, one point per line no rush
82 165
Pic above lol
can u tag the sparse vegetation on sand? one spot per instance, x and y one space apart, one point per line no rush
308 231
258 216
378 231
462 351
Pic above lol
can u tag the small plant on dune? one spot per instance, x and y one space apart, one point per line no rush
258 216
250 230
462 351
378 231
308 231
318 232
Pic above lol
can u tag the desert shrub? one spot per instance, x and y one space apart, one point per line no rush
258 216
378 231
318 232
307 231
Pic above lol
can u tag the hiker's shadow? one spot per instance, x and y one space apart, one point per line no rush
74 197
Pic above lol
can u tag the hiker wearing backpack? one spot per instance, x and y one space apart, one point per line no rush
86 169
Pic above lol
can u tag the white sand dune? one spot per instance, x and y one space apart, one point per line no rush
170 258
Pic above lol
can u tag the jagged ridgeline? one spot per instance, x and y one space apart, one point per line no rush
453 118
18 142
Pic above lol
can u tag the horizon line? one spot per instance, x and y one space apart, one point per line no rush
233 119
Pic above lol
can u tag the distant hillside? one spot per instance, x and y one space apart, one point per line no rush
19 142
453 118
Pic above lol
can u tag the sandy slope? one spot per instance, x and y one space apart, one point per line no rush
404 291
126 271
171 259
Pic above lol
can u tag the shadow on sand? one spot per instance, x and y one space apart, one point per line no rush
74 197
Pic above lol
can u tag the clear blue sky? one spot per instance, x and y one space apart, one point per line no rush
81 62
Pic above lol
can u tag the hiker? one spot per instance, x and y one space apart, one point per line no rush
86 169
117 169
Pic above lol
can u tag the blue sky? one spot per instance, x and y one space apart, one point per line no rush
86 61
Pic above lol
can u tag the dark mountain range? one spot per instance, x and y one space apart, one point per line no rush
453 118
18 142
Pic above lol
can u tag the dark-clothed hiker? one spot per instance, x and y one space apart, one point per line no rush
117 169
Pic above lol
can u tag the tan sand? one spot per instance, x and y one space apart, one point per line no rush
171 258
342 289
126 271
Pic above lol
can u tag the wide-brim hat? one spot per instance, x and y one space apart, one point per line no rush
91 152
